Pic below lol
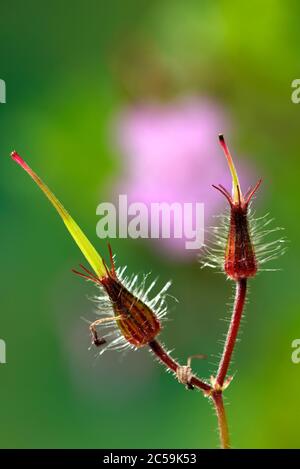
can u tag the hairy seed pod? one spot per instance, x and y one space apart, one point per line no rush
136 322
240 259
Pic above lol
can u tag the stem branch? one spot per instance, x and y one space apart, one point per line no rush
171 364
215 392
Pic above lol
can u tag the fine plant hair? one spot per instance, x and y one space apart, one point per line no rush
130 316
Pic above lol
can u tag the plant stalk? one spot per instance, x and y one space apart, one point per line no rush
215 391
239 303
171 364
217 399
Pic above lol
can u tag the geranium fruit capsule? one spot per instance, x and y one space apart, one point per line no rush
137 323
240 259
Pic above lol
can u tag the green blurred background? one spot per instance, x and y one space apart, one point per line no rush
70 67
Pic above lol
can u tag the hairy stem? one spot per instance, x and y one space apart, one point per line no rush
215 392
171 364
217 399
239 303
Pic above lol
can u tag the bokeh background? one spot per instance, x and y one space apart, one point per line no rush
94 89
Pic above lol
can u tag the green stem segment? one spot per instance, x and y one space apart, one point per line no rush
217 399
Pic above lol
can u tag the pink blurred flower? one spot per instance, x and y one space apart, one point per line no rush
171 154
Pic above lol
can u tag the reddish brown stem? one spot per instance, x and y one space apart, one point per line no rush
217 399
171 364
215 392
240 297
